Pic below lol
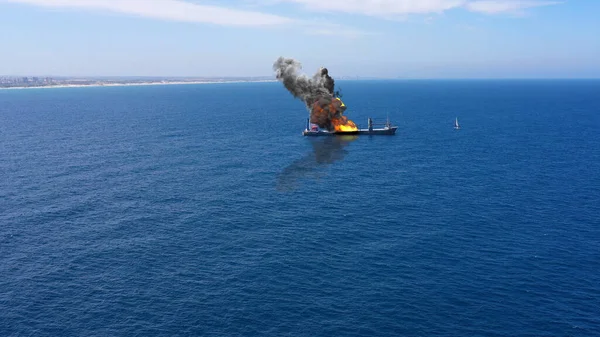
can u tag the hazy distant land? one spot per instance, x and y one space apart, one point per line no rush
23 82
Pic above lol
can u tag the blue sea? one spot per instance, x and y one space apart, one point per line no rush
201 210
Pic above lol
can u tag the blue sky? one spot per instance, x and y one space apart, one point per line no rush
379 38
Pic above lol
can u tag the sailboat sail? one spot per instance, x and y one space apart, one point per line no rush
456 123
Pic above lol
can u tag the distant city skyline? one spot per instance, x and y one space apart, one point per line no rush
242 38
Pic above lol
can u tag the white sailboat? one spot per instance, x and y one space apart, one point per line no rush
456 126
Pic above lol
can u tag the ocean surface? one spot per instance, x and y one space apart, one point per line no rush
187 210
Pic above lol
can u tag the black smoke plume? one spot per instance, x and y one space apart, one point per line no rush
329 82
316 92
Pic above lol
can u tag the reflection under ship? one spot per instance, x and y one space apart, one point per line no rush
374 128
326 151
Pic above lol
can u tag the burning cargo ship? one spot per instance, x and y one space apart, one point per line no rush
386 129
326 109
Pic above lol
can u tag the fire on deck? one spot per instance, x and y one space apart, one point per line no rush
386 129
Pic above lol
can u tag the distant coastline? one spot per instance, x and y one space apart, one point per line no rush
126 84
26 82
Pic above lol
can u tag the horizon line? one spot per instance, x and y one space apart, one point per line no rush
340 78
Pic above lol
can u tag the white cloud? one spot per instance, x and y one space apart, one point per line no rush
380 7
194 12
391 8
184 11
506 6
171 10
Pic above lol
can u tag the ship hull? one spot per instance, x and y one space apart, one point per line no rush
385 131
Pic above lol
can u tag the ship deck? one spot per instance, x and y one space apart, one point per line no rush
384 131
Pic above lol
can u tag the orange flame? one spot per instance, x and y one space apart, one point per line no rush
331 113
343 124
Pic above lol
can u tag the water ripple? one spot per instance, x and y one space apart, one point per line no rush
134 211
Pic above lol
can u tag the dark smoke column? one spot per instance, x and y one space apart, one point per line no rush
316 92
329 82
307 89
